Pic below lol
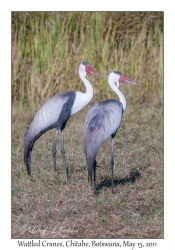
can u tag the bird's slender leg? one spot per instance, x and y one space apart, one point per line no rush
95 163
63 152
112 160
89 179
54 150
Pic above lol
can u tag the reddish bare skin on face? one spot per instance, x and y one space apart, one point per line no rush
89 70
123 79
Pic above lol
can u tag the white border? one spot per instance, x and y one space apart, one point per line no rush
5 99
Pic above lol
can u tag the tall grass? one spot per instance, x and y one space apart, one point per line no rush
47 48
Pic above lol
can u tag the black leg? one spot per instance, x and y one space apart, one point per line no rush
112 161
63 153
89 178
54 151
95 163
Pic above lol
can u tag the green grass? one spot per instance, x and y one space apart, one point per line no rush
47 48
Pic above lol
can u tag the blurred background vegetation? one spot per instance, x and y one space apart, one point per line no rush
47 48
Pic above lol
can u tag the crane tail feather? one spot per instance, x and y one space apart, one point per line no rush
28 145
27 156
93 138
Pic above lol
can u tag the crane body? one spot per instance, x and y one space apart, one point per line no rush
55 113
103 121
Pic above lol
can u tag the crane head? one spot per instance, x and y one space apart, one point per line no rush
122 78
86 68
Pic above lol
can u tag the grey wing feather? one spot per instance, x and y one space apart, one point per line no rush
53 114
102 120
47 115
104 117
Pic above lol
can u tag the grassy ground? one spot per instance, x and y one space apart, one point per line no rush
44 205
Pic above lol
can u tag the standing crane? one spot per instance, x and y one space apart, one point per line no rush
102 121
55 113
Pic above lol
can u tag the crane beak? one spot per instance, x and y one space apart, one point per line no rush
131 82
123 78
89 70
95 74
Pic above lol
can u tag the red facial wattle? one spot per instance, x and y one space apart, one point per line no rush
89 70
122 79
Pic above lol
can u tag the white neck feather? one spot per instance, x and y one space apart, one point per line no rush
111 82
82 99
89 89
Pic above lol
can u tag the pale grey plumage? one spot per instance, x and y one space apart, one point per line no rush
55 113
108 113
47 115
102 121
